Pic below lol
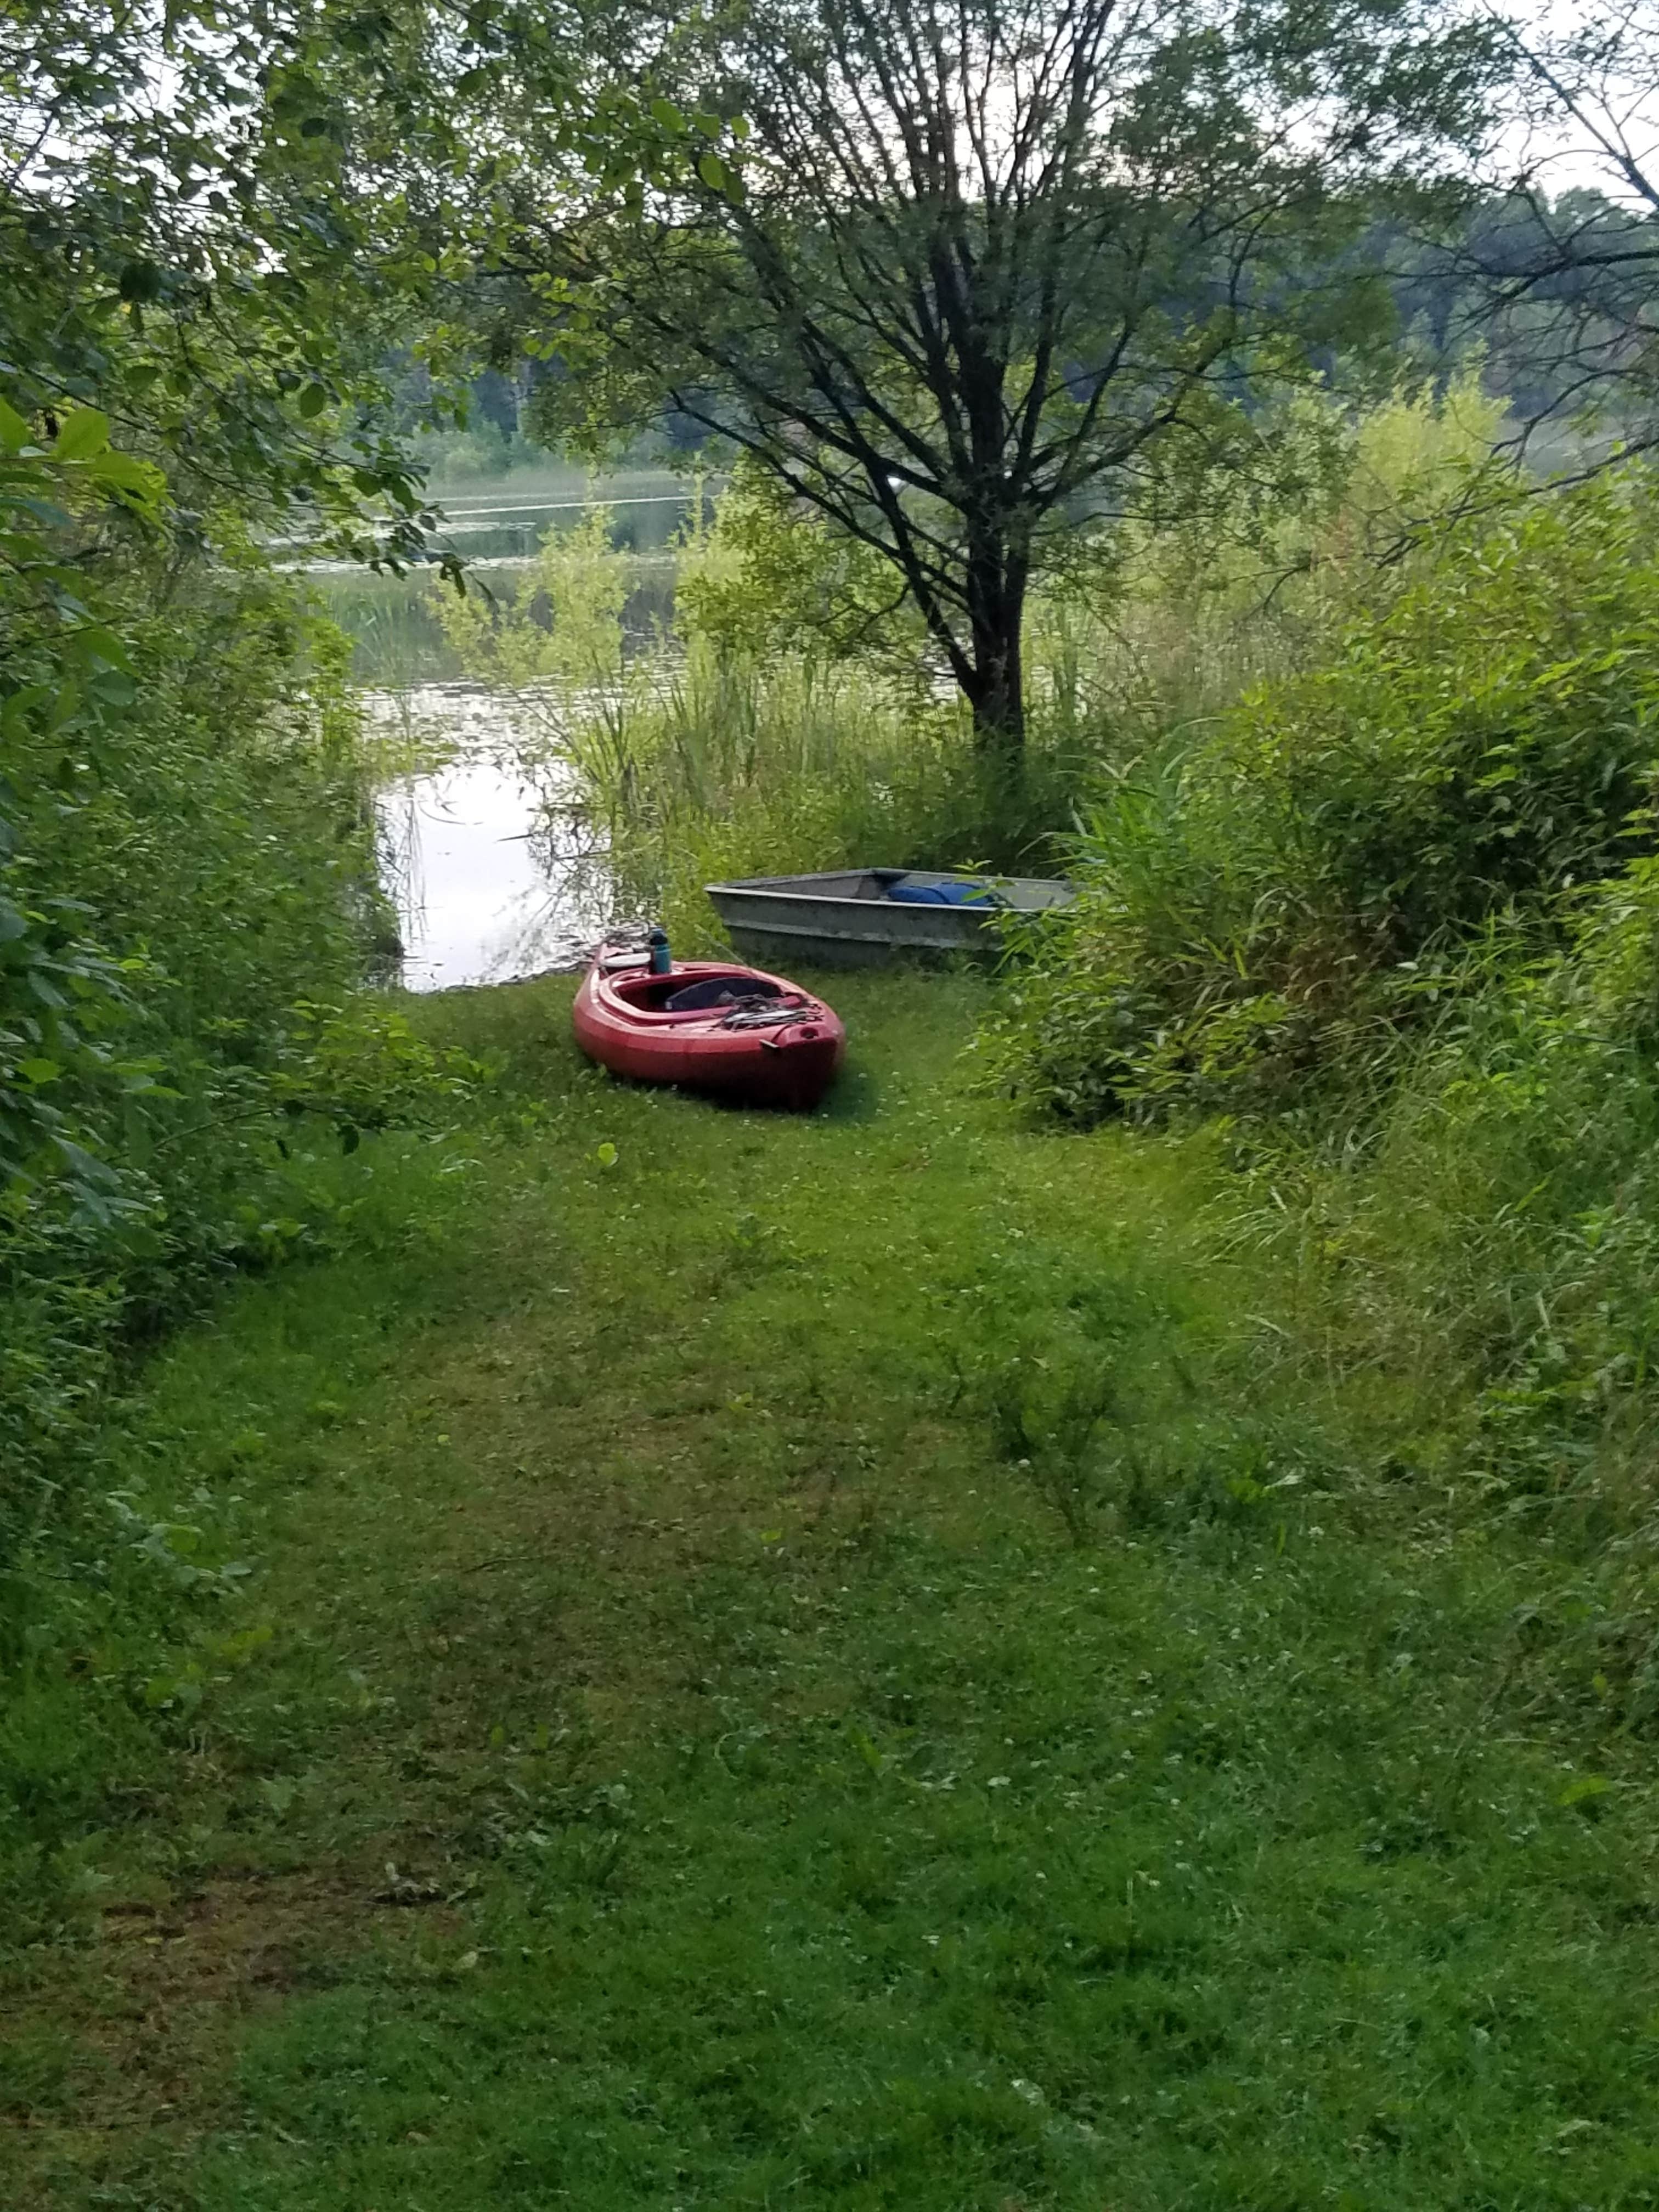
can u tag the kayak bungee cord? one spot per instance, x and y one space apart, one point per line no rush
764 1014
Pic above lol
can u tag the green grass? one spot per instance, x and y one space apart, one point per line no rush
844 1661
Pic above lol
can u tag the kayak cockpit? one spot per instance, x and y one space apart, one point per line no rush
641 993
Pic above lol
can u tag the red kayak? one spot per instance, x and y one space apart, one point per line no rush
710 1025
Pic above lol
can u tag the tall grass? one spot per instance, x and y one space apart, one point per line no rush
392 621
1266 911
720 739
1391 920
737 768
1225 579
1490 1255
774 712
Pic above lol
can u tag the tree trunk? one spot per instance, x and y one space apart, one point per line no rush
996 598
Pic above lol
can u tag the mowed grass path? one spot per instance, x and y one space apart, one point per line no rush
829 1662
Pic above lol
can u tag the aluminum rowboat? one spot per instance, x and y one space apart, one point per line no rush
862 917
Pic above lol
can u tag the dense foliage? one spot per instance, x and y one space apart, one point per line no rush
1272 906
188 903
187 908
952 275
1396 918
213 222
212 225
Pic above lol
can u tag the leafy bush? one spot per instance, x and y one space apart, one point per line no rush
188 909
1263 913
1399 912
190 872
222 867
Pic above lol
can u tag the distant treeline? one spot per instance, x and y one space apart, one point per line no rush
1549 294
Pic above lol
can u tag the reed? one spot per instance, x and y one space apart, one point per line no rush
706 747
750 703
396 638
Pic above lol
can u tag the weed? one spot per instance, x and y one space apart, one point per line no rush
1049 1436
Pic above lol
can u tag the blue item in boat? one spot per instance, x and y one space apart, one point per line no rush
943 894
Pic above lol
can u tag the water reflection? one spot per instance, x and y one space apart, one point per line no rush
486 855
497 528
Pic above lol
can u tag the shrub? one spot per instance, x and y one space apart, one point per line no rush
193 875
1263 915
194 872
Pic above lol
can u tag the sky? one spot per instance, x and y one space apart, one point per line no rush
1617 108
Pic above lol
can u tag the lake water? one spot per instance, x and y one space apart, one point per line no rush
493 870
485 855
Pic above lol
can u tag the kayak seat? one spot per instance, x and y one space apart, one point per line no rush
711 991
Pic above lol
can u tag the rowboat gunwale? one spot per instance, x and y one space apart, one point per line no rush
834 919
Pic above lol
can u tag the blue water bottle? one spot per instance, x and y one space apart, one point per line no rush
661 962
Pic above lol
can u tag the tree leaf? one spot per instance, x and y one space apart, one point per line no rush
14 716
140 281
126 473
95 642
65 706
84 433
